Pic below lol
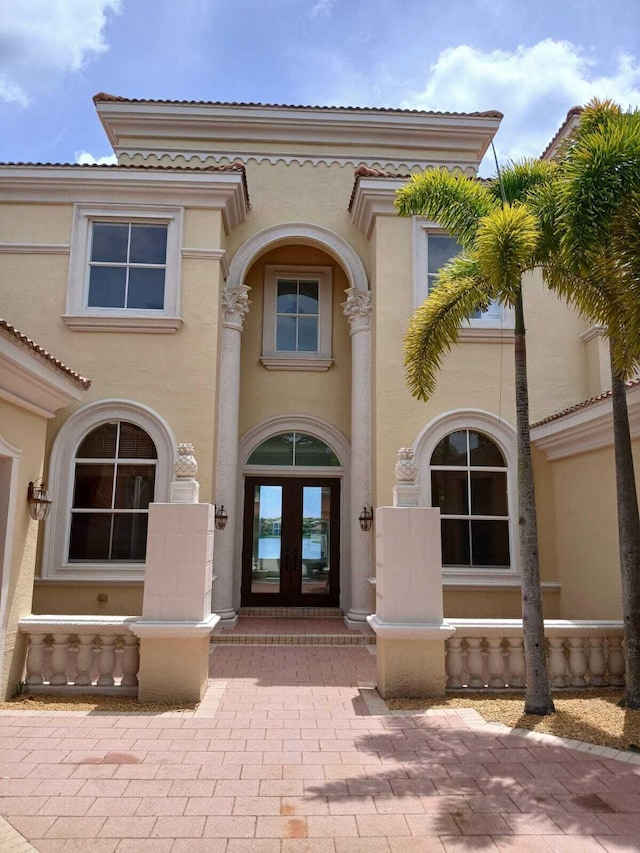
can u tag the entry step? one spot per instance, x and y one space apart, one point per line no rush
292 631
292 612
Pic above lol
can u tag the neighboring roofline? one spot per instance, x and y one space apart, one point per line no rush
568 125
103 97
10 332
630 383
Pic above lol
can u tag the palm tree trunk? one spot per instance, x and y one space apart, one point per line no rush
628 538
538 698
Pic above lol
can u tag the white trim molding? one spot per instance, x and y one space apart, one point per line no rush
8 503
504 435
297 233
56 565
586 429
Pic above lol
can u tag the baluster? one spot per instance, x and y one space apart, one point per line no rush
516 675
475 662
60 660
130 661
557 662
35 659
495 662
106 661
577 662
454 663
615 662
84 660
597 663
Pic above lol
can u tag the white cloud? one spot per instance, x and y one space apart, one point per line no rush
86 159
44 39
322 7
533 86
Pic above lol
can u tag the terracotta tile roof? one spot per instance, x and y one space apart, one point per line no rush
369 172
630 383
102 97
574 111
11 331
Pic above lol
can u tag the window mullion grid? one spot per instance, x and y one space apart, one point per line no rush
126 282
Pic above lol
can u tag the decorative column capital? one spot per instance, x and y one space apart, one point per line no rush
235 304
357 309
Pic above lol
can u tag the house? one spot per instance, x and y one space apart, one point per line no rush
240 281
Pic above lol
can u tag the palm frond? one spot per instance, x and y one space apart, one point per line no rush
505 246
460 291
521 178
454 201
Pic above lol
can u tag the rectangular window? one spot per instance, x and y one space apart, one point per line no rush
127 266
441 248
296 330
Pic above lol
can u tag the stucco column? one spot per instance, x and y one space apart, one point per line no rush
235 305
357 309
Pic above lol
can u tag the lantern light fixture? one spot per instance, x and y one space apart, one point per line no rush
221 517
366 518
38 500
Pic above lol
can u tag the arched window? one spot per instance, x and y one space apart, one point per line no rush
296 449
114 482
469 485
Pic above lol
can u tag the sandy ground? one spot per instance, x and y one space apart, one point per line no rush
592 716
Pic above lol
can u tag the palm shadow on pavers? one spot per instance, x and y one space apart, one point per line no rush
446 778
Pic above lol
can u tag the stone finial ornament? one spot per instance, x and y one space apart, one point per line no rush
185 466
406 469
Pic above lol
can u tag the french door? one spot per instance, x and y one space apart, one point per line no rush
291 542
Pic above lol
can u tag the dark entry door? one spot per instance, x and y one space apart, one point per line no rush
291 545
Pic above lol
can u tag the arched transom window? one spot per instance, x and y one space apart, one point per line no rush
296 449
469 485
114 482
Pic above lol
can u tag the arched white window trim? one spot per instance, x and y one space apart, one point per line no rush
504 435
61 479
317 428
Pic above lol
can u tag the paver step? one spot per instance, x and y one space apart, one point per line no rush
293 612
229 638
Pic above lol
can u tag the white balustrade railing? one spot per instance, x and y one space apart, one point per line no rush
81 654
489 654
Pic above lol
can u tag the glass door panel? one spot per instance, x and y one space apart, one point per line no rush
316 540
266 552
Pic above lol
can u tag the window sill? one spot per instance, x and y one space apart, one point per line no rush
296 363
150 325
96 572
485 334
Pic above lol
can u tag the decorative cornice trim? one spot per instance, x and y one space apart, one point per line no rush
374 197
587 429
147 325
592 332
298 233
222 191
35 248
208 255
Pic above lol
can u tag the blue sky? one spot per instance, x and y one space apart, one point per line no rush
531 60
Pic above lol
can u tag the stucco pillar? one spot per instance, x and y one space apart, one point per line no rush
409 625
235 305
357 309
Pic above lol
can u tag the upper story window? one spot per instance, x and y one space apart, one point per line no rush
469 485
127 267
114 482
297 318
433 248
124 270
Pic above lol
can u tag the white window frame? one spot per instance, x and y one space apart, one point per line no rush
61 478
79 315
271 358
504 436
476 329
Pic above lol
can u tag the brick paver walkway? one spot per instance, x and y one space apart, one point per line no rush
285 756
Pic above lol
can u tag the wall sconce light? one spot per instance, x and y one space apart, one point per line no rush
38 500
366 518
221 517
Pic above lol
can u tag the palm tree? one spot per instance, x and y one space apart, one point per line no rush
501 238
597 219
